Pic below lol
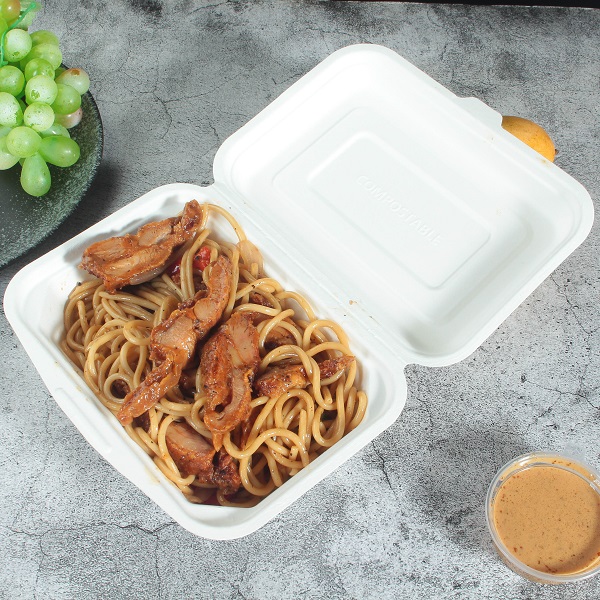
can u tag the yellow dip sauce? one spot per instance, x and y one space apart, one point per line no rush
549 518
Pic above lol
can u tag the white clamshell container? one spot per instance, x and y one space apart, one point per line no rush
401 211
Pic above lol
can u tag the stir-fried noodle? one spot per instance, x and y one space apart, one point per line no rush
107 336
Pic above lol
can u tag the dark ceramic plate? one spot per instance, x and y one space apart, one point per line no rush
24 220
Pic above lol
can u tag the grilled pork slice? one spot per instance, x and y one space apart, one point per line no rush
277 380
193 455
136 258
173 342
278 337
226 474
228 365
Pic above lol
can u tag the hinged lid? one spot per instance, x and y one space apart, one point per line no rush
412 206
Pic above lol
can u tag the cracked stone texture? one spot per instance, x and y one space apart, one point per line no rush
404 517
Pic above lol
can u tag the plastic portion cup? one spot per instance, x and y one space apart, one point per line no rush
534 503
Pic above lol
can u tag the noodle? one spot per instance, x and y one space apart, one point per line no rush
107 337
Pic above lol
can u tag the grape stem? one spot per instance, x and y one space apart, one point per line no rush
3 36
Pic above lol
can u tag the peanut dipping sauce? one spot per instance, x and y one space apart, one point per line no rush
549 518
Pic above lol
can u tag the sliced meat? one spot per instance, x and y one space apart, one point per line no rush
256 298
226 474
278 380
243 337
328 368
176 334
143 421
278 337
215 369
260 300
228 365
194 455
174 341
154 387
136 258
187 381
119 388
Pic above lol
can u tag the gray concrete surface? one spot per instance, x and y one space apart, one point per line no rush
403 518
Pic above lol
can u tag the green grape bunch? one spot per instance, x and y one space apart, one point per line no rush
40 100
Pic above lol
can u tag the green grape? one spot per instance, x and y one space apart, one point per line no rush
39 99
41 88
11 114
69 121
11 80
55 129
10 9
38 66
67 100
35 176
48 52
28 18
59 151
17 44
76 78
44 37
7 160
23 142
38 116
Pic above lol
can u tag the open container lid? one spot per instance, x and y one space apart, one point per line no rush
412 203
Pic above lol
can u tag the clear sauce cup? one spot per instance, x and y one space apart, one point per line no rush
543 513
